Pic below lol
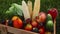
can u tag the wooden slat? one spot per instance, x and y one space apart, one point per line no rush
17 31
3 29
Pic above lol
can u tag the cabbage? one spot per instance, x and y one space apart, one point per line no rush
15 9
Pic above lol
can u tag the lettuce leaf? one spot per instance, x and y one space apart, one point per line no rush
15 9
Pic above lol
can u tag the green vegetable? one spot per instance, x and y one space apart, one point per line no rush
15 9
49 17
49 25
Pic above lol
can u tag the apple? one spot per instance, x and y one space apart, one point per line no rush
34 23
17 23
42 30
42 17
53 12
35 30
28 27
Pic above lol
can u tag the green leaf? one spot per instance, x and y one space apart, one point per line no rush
18 9
15 9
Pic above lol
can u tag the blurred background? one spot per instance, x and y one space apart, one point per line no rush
45 6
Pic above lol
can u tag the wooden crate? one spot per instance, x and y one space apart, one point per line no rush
11 30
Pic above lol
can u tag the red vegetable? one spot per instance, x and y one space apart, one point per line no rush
53 12
18 23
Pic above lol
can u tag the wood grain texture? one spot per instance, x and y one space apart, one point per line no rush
17 31
3 29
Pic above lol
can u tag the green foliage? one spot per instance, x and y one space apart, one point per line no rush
15 9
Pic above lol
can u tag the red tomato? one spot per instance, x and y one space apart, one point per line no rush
17 23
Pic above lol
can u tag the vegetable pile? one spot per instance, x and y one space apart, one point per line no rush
18 16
